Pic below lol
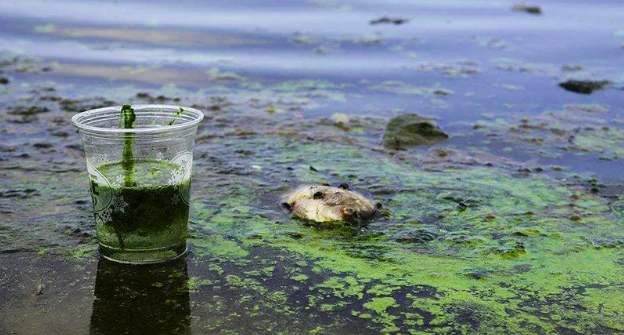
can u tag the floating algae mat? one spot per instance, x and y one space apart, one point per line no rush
152 216
460 251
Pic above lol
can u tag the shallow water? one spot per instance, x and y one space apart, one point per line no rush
513 225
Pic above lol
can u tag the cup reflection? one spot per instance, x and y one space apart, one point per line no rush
146 299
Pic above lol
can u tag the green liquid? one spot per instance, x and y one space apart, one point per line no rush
150 214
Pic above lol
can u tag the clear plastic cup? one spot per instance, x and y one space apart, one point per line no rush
140 179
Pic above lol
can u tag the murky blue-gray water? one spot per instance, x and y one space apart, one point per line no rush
488 59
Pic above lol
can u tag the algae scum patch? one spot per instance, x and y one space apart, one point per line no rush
472 249
461 250
579 129
465 250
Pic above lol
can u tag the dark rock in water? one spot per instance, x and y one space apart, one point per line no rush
511 250
21 194
155 99
59 133
54 98
584 86
571 67
295 235
13 250
27 110
410 130
531 9
417 236
4 80
24 119
42 145
521 268
81 105
388 20
6 148
478 273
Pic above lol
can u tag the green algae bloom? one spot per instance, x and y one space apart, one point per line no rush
460 250
498 251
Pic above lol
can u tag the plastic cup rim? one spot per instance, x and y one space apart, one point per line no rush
78 120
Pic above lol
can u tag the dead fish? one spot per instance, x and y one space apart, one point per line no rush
326 204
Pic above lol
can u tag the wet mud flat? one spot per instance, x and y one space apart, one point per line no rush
514 224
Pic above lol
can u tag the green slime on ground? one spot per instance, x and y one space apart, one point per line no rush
510 253
525 255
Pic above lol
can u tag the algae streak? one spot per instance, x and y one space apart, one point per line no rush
176 116
126 121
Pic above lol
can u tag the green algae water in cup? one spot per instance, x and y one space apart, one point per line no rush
139 160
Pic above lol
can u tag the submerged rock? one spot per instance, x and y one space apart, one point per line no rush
388 20
531 9
417 236
27 110
155 99
584 86
25 114
81 105
19 193
586 108
326 204
411 130
571 67
578 129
